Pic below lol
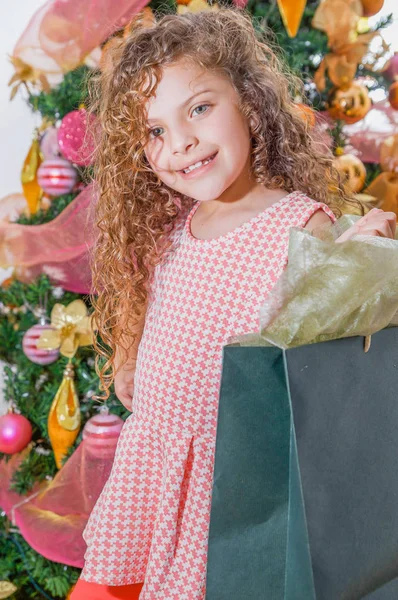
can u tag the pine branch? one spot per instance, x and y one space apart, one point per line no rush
45 216
34 469
67 96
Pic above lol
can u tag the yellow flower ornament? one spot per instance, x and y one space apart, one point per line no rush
71 328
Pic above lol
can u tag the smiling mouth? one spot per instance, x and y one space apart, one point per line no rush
200 163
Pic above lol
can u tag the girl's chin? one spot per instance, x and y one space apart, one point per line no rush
204 195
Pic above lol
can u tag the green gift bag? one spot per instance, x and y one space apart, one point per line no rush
305 495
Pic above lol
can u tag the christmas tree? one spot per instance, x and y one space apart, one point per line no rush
49 377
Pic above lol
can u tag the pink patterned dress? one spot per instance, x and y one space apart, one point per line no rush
151 521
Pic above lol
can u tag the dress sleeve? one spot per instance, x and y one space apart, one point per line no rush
312 208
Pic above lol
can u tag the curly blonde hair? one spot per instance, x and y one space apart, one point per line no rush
135 212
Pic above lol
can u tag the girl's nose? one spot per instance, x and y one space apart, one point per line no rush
183 142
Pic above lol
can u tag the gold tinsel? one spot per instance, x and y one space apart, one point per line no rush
348 39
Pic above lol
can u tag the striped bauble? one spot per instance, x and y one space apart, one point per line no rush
56 176
35 354
100 434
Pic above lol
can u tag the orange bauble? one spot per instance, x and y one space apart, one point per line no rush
352 171
371 7
291 12
350 104
393 95
389 154
306 113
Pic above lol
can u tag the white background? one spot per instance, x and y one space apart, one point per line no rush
17 121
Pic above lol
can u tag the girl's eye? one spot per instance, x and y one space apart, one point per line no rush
202 108
156 132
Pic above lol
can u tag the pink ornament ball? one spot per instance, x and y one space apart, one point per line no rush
100 434
29 346
15 433
75 137
56 176
392 68
49 144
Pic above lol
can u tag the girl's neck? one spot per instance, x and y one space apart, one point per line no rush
244 195
216 218
255 200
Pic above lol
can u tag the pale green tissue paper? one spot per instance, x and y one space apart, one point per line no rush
330 290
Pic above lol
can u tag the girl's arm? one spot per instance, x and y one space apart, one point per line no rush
125 365
319 218
377 222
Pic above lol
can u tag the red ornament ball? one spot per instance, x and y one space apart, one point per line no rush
393 95
75 137
56 176
15 433
29 346
100 434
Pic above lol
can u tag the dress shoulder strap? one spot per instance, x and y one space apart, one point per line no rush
298 209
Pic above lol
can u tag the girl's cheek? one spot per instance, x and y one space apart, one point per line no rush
150 160
154 156
156 166
148 156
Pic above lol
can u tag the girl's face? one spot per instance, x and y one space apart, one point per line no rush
199 142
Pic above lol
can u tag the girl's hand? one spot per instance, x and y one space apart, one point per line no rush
124 385
376 222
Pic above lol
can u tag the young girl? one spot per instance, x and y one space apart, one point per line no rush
204 165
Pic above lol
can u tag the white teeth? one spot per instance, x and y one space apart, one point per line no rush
196 165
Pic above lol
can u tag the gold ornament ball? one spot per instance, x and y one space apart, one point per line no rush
393 95
371 7
350 104
389 154
352 171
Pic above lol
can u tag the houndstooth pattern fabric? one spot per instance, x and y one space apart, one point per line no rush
151 521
